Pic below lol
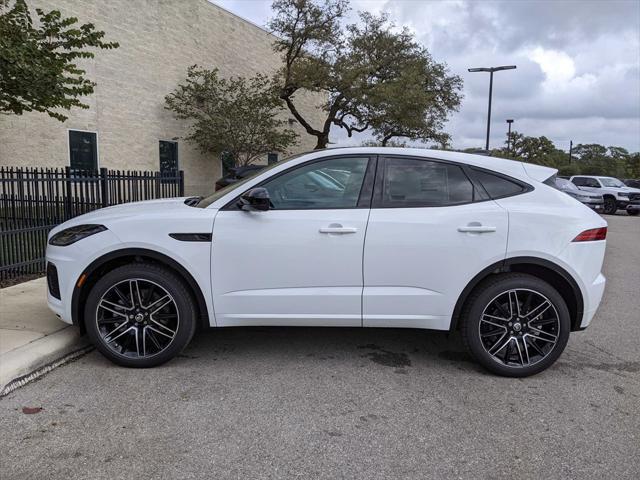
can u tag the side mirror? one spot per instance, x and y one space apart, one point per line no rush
256 199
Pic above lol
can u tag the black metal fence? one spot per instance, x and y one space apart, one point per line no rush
34 200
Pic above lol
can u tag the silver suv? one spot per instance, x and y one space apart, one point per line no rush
617 196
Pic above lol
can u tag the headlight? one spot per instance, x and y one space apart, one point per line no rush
621 194
73 234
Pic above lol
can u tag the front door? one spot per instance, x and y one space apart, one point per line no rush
430 231
299 263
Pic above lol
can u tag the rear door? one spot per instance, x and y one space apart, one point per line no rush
431 230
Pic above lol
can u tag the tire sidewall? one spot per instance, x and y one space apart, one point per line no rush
610 207
167 280
485 294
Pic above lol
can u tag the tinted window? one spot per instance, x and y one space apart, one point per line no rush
334 183
168 157
424 183
497 186
586 182
83 150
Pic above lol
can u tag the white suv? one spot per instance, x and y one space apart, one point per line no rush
617 196
349 237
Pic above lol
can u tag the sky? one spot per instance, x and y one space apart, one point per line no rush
578 75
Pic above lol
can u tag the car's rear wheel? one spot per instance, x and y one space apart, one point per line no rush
140 315
515 324
610 206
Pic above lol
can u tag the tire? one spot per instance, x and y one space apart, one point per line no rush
147 332
521 350
610 206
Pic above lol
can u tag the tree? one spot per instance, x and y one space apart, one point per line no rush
37 63
236 116
372 76
588 159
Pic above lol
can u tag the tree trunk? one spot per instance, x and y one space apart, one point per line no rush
323 141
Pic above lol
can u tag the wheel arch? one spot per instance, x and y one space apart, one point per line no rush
126 256
546 270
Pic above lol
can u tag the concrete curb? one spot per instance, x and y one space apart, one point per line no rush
18 364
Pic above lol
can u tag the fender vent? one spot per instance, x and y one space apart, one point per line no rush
191 237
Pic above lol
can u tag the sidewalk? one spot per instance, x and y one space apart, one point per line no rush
31 336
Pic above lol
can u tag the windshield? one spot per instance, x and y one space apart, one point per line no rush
206 201
611 182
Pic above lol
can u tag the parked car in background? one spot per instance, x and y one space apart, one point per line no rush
236 174
616 195
454 242
631 182
591 200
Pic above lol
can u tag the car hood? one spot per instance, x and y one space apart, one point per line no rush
626 189
133 209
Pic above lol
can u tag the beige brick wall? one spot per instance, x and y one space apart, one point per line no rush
158 40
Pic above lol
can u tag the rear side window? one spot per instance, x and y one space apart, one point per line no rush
586 182
579 181
424 183
498 186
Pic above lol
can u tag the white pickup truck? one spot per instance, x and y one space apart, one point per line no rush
616 194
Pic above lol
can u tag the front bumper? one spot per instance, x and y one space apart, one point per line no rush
66 264
597 206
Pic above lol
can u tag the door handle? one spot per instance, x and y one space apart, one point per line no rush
338 229
477 229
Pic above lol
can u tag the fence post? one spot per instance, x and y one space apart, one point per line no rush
104 190
181 184
67 193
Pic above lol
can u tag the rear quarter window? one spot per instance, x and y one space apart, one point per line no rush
498 186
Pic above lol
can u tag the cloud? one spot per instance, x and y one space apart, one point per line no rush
578 74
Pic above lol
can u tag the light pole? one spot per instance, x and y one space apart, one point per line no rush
509 122
490 70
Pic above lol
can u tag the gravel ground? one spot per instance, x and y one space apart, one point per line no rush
344 403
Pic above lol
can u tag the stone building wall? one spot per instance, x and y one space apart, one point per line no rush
158 40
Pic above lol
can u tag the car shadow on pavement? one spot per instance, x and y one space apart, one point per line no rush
394 348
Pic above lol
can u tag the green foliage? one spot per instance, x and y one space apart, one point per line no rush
373 76
236 116
37 63
587 159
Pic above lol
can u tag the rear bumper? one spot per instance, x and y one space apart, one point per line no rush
592 299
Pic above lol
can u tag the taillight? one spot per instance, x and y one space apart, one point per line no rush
592 235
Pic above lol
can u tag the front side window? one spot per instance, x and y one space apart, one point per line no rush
424 183
83 150
327 184
611 182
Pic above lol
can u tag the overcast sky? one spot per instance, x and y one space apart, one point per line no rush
578 75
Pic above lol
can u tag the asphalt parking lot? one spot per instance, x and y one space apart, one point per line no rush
344 403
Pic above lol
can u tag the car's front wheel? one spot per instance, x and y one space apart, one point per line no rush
515 324
140 315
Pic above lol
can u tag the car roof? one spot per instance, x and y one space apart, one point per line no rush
512 168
